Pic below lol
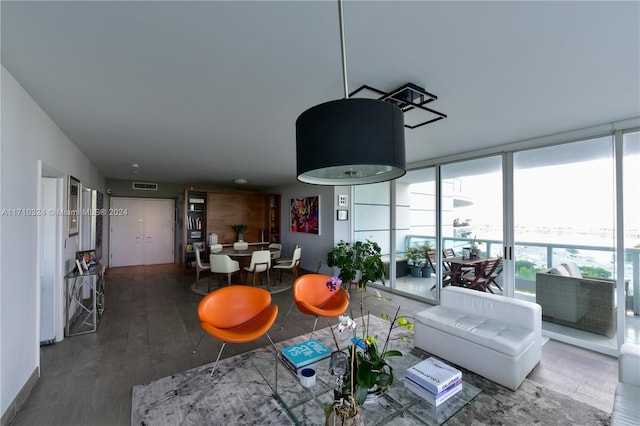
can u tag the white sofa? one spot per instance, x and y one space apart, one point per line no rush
494 336
626 405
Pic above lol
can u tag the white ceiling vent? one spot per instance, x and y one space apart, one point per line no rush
144 186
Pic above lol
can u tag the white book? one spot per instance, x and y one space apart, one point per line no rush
434 375
431 398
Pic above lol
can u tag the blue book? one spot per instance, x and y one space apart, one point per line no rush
305 353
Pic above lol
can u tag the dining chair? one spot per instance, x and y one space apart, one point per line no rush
287 259
215 248
236 314
276 251
240 245
221 264
482 276
292 266
313 297
201 267
260 262
447 275
496 273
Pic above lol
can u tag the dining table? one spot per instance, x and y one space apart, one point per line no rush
243 256
460 263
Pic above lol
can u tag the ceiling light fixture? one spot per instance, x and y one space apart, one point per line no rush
350 141
240 181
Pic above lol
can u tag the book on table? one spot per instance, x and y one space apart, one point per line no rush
433 398
433 375
303 354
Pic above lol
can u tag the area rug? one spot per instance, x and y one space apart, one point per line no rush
275 287
237 395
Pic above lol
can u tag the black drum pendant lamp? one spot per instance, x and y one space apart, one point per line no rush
350 141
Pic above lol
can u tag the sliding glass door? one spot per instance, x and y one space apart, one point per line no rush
631 179
564 227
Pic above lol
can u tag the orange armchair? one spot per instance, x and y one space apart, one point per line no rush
311 295
236 314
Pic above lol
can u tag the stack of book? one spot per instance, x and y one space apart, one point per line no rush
303 355
433 380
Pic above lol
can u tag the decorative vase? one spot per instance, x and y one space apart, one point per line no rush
374 394
240 237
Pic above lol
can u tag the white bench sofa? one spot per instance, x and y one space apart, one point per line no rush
494 336
626 404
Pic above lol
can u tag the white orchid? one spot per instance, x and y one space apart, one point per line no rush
346 323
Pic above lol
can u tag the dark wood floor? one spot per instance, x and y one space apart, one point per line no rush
150 327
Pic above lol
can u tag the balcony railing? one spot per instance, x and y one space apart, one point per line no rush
546 255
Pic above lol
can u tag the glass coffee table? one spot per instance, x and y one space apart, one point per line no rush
398 405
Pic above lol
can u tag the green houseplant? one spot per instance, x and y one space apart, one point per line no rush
415 254
426 268
359 259
240 228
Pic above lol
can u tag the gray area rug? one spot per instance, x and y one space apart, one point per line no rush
237 395
275 287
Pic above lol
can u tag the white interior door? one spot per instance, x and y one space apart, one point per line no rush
127 231
158 231
142 231
47 260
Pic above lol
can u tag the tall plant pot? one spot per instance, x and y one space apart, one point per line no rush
416 271
426 271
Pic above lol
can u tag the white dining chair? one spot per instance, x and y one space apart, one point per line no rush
260 262
276 251
240 245
223 265
200 267
293 265
215 248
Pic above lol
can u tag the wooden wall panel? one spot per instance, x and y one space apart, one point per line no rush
226 209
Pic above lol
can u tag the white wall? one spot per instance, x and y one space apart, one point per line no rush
27 135
314 247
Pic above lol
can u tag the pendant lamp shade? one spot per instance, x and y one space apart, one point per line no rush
350 142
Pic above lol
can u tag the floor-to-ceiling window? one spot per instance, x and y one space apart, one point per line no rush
415 233
564 216
551 204
631 211
474 188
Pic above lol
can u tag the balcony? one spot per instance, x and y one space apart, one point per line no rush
532 257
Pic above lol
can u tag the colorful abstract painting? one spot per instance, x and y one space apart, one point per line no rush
305 215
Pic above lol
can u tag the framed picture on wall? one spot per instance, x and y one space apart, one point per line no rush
343 200
342 215
305 215
73 207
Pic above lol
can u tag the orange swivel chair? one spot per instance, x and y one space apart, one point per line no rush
236 314
312 296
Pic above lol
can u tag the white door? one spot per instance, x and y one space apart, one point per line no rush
142 231
158 231
47 260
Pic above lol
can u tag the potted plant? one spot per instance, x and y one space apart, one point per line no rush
239 228
357 260
415 255
367 374
426 269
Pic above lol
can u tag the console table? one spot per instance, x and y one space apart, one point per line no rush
84 300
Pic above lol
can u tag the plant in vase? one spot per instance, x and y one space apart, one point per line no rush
361 260
239 228
426 269
415 255
368 373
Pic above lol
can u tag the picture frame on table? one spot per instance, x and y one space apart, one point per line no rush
73 206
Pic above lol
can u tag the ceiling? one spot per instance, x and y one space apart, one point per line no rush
205 92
